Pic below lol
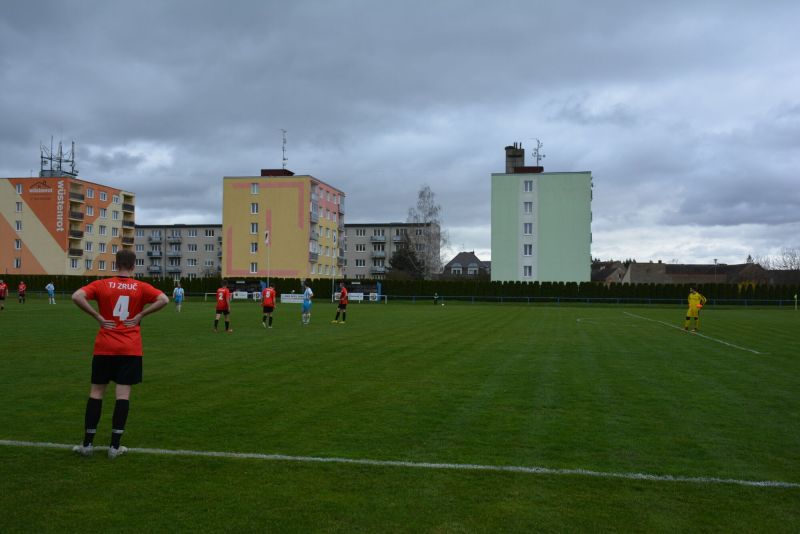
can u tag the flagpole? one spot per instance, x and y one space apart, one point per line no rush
266 244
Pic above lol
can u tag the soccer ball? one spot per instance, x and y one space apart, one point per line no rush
442 303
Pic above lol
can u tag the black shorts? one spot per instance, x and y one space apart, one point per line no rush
125 370
342 307
223 312
268 309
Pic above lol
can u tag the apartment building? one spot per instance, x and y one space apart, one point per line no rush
62 225
541 223
178 250
370 246
283 225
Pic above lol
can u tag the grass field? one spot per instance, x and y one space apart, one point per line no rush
614 390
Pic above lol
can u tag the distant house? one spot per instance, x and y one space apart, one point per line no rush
663 273
608 272
466 264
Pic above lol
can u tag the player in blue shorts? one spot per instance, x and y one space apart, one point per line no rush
307 296
177 296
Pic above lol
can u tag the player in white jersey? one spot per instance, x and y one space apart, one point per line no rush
307 296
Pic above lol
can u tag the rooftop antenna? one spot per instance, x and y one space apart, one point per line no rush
537 152
285 159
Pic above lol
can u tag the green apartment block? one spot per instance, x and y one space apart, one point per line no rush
541 223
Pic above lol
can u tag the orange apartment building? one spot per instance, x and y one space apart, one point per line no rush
62 225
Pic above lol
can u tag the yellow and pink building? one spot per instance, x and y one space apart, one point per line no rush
62 225
281 225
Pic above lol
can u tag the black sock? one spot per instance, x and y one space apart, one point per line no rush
216 322
264 318
118 421
92 417
270 320
337 316
227 325
344 316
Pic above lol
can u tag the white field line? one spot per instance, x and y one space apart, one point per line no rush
696 334
428 465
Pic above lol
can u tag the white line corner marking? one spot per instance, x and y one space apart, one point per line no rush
428 465
696 334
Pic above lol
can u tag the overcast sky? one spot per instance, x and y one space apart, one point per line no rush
686 113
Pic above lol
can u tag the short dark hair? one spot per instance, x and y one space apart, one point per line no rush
126 259
224 283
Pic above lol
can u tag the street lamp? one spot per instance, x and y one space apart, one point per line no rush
715 277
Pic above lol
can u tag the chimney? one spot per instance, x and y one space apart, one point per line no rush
515 157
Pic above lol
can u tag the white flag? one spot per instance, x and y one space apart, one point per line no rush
266 238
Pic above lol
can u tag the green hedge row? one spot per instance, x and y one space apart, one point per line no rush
451 288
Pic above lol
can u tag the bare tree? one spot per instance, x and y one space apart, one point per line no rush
788 259
428 237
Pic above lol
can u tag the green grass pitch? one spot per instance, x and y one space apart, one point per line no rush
609 389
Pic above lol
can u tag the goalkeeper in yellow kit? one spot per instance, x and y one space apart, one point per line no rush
696 303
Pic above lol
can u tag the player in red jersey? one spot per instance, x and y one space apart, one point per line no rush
21 288
223 306
268 305
121 304
342 305
3 293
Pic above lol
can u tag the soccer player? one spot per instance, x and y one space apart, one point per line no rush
268 304
696 302
177 296
223 306
3 293
307 296
51 293
342 305
21 288
121 304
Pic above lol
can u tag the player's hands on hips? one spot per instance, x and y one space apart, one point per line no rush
133 321
106 323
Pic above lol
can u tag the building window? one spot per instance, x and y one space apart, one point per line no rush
527 271
102 230
101 247
114 249
253 228
209 232
155 233
253 208
88 246
361 263
18 225
192 232
101 265
103 213
18 263
419 247
192 276
254 247
455 270
527 228
115 215
139 232
140 248
115 199
361 232
361 247
18 244
253 267
419 231
19 189
19 207
114 232
191 247
174 262
88 264
527 207
140 262
103 196
527 250
191 262
528 186
90 193
378 232
89 228
254 188
209 247
73 263
208 263
114 266
89 211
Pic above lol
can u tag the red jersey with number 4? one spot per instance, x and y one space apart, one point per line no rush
268 297
343 296
223 299
118 299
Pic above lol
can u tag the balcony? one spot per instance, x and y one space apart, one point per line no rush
75 252
313 257
314 236
172 269
76 197
76 215
314 217
127 240
128 207
174 253
397 238
174 239
75 234
378 238
155 239
378 254
377 270
340 207
153 253
128 224
340 261
154 269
